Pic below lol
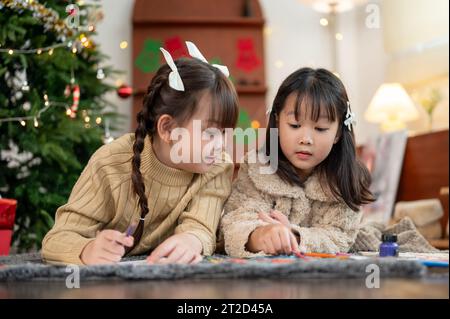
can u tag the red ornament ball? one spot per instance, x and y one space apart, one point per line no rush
124 91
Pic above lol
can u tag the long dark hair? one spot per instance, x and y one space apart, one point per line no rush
323 92
197 77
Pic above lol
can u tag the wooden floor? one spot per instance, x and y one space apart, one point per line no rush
435 285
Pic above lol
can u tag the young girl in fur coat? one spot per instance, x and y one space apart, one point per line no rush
311 201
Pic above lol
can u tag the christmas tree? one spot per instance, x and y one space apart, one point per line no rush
52 106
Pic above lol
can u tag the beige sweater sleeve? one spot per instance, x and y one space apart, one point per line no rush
201 217
333 229
240 217
89 208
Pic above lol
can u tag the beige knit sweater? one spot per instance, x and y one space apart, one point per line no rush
324 224
103 198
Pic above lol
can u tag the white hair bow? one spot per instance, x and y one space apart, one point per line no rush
175 81
350 118
195 53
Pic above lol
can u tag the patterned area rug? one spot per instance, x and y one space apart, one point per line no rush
26 267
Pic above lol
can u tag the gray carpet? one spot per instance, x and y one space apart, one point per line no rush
28 267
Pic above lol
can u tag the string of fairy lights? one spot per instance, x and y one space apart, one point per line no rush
33 51
25 87
75 46
35 118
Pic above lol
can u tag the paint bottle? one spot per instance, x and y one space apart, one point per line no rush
389 246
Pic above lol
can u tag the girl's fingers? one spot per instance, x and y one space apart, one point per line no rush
102 261
114 248
111 234
162 250
266 218
121 238
285 241
176 255
294 243
110 246
161 261
266 247
186 258
277 242
112 258
275 214
280 217
197 258
101 258
262 216
128 241
269 246
124 240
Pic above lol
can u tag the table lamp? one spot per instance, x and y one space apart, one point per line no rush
392 107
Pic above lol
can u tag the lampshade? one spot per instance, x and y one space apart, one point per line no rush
392 107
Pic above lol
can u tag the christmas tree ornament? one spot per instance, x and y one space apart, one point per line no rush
49 17
100 74
67 91
124 91
18 95
76 100
73 89
107 138
13 157
95 16
25 86
26 106
39 41
46 102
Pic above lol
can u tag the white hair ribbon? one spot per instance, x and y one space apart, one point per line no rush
175 81
195 53
350 118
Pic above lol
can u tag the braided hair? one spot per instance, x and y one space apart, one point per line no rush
161 99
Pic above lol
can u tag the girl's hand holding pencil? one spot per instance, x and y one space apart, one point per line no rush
276 216
275 238
108 247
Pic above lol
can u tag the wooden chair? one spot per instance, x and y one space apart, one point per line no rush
425 173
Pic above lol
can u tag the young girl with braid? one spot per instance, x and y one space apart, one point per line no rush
133 181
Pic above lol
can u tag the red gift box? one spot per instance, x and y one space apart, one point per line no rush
7 216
